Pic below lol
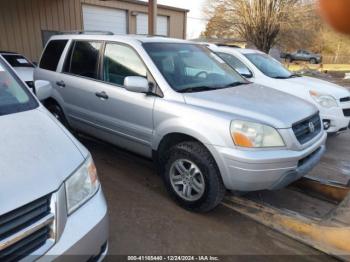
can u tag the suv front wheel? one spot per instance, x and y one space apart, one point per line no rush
192 177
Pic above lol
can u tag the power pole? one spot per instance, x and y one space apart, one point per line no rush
152 17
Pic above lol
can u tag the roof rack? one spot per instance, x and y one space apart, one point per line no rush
228 45
78 32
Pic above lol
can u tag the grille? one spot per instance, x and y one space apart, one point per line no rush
26 246
346 112
303 132
20 219
345 99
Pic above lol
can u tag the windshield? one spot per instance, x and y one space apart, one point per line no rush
269 66
14 96
190 67
18 61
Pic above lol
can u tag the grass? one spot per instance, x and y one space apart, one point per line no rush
324 67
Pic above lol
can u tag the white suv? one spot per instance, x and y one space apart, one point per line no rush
333 101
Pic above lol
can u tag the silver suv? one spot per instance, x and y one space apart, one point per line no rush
206 127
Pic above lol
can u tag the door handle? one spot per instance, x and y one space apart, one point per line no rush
102 95
61 84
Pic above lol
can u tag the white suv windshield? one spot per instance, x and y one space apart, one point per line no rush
269 66
18 61
14 96
192 68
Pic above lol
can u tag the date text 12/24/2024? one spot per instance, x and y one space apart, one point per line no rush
173 258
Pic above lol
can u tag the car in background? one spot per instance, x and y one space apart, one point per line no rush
49 183
333 101
205 126
302 55
23 66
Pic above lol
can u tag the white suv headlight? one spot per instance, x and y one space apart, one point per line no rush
324 100
82 185
249 134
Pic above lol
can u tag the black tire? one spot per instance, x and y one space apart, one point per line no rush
313 61
214 189
58 113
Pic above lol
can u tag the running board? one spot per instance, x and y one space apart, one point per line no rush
329 234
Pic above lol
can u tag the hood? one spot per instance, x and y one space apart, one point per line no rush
319 85
36 157
255 102
25 73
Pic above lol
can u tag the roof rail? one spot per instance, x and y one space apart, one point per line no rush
7 52
78 32
228 45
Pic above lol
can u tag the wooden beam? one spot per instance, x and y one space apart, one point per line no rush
152 17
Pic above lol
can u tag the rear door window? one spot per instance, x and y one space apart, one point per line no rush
121 61
83 59
52 54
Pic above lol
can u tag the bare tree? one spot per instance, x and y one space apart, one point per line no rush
256 21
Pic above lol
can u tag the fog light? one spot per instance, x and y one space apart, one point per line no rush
326 124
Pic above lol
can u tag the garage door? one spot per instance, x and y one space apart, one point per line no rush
104 19
142 25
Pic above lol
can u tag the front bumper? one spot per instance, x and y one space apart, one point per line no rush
335 115
85 234
251 170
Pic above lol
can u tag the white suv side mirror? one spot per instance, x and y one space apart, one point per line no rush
43 89
136 84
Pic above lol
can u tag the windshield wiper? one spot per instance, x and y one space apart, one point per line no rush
238 83
294 75
197 89
286 77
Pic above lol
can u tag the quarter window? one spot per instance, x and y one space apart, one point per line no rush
120 62
52 54
83 59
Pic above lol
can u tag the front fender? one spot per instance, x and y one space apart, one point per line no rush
206 133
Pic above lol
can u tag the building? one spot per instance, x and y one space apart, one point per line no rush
26 25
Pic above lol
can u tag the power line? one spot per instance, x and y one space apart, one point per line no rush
198 18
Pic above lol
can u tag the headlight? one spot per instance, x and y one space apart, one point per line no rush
324 100
82 185
249 134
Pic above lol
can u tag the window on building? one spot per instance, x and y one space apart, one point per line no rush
121 61
142 25
52 54
84 59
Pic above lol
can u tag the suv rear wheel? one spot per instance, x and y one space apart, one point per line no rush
289 59
192 177
57 112
313 61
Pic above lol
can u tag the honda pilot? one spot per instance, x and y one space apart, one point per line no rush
206 127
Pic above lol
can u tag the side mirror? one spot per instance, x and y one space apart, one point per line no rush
245 72
250 75
136 84
43 89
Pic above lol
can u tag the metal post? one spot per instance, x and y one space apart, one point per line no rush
152 17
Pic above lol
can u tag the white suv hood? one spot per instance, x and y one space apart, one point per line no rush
25 73
320 86
36 157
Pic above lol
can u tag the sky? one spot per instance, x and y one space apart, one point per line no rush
195 22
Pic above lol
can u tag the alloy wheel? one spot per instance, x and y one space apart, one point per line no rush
187 180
